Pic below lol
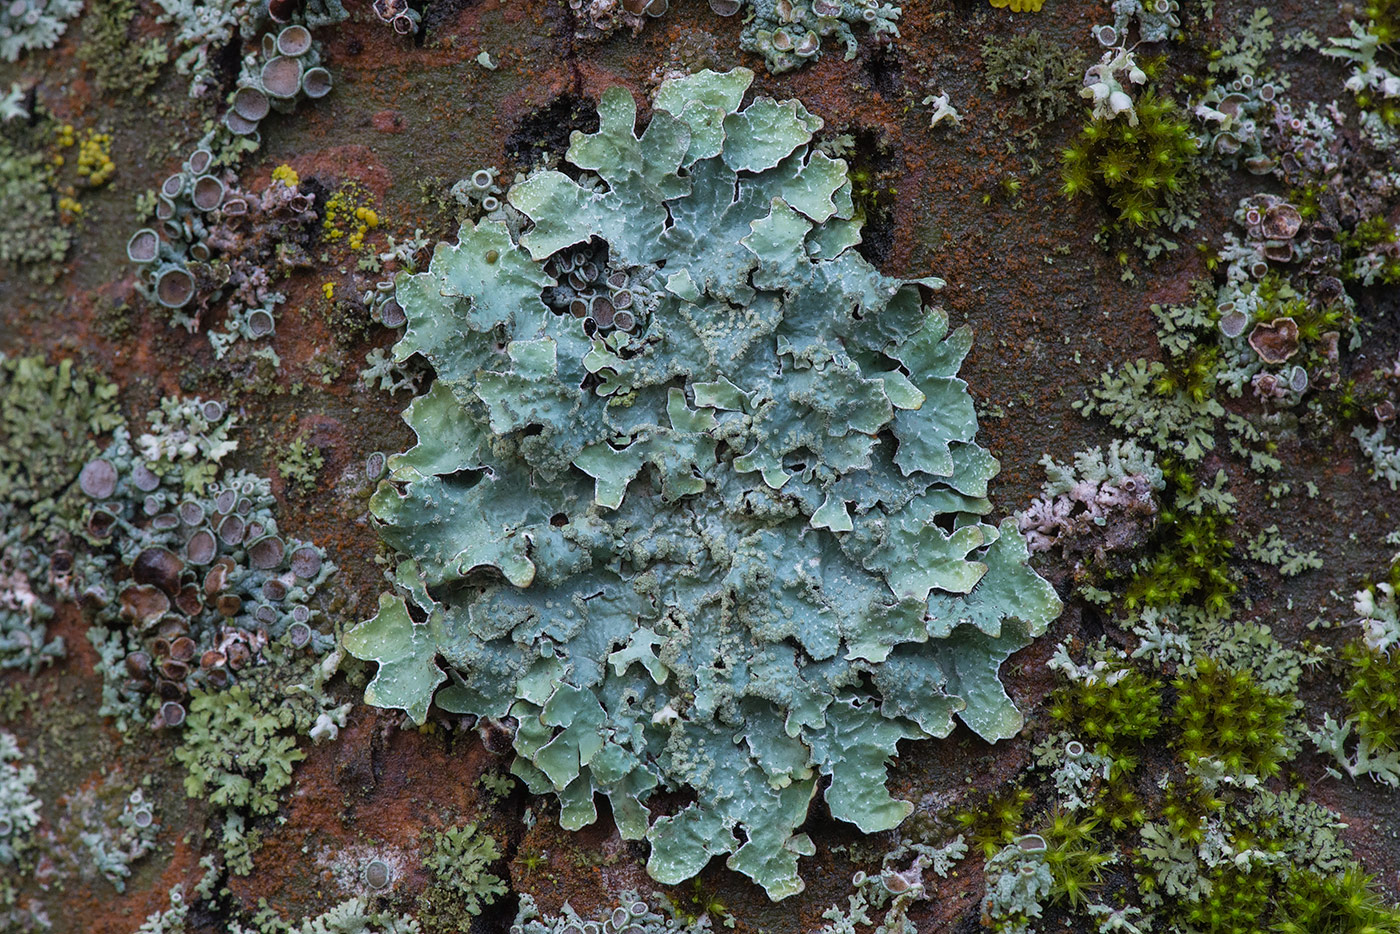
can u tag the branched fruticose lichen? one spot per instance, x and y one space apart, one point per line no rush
695 498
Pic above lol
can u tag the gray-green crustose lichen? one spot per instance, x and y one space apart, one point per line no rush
695 498
32 234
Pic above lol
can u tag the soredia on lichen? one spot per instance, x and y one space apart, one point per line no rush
695 497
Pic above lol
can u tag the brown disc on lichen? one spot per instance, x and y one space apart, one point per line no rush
159 567
1275 341
1282 221
266 553
306 562
144 604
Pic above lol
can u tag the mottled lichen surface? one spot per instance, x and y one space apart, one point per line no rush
364 823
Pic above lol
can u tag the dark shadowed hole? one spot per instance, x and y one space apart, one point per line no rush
547 129
883 71
1091 623
875 168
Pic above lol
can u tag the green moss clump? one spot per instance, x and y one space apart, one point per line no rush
1115 711
1192 563
1227 716
1344 903
1075 860
1183 807
1237 903
1384 16
1299 901
998 822
1373 693
1136 169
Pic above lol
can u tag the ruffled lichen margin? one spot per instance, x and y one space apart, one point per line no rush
738 549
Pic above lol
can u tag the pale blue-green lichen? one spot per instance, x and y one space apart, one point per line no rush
204 614
1375 76
352 916
787 33
19 808
12 103
33 24
1156 20
204 27
731 541
1384 456
205 618
1095 503
1378 615
112 850
183 551
882 900
1271 547
1019 884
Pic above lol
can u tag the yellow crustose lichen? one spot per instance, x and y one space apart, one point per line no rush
286 175
349 216
95 164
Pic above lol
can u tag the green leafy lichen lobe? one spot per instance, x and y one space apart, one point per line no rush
696 499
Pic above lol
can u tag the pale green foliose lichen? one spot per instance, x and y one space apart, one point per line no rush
32 234
731 541
460 861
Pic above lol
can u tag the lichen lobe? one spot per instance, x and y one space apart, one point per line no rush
696 497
